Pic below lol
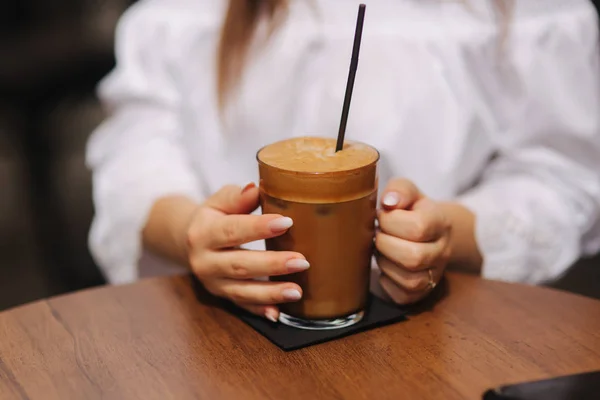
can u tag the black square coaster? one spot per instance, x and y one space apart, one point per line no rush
378 313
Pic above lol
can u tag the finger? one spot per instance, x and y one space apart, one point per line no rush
397 294
233 199
269 312
248 264
235 230
422 224
257 292
400 193
249 198
410 281
410 255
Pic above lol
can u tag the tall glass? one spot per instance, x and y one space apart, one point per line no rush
332 199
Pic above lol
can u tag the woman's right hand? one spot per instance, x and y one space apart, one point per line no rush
217 229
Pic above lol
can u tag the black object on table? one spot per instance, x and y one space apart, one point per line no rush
584 386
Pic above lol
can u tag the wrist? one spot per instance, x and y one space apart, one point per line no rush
465 253
165 232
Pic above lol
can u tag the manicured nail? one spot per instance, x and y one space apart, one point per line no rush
271 315
281 224
391 199
291 294
297 265
249 186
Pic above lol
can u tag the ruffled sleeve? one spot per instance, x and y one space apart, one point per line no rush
538 202
137 155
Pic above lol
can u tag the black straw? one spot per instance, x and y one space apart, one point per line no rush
351 77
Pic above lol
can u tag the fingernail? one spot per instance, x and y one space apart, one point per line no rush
291 294
249 186
281 224
391 199
271 315
297 264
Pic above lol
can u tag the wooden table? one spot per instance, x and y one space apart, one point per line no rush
154 340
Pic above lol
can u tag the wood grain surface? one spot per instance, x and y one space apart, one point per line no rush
156 340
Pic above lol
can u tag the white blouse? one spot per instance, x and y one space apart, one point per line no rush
510 130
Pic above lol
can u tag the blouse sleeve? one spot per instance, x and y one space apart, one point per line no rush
136 155
537 205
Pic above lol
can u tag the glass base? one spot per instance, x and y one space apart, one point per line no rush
321 324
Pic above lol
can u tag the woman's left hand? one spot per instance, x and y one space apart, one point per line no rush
413 242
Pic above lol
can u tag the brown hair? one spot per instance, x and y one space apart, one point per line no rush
241 22
243 17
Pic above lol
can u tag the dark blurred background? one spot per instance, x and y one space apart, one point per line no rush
52 54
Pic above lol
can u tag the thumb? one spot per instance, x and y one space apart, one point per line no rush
232 199
400 194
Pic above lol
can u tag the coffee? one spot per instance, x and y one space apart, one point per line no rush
332 199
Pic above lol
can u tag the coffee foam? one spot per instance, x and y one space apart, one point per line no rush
317 155
308 170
